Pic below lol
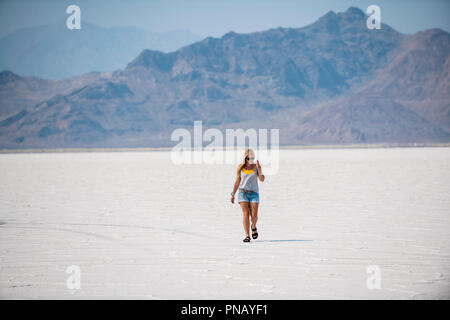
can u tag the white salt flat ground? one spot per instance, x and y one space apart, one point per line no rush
140 227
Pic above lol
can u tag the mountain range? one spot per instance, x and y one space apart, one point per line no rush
331 82
54 52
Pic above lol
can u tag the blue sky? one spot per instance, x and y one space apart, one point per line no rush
215 18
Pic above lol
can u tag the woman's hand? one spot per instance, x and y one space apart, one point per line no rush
232 199
258 165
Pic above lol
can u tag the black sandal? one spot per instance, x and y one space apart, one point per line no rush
247 239
254 235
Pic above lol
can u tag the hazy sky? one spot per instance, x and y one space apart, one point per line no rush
215 18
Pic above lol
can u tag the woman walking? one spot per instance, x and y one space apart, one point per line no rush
248 173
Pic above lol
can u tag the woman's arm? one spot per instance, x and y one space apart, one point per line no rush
260 174
236 186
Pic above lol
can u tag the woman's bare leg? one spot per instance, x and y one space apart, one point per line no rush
246 212
254 213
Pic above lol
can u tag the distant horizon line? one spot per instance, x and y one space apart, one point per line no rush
381 145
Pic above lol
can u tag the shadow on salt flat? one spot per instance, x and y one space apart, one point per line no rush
287 240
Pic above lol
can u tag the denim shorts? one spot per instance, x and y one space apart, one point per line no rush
249 196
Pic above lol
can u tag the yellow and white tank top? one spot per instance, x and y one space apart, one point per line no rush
249 179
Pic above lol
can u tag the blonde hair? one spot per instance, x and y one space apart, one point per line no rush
242 164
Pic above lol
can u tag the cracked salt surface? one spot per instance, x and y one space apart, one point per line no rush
140 227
